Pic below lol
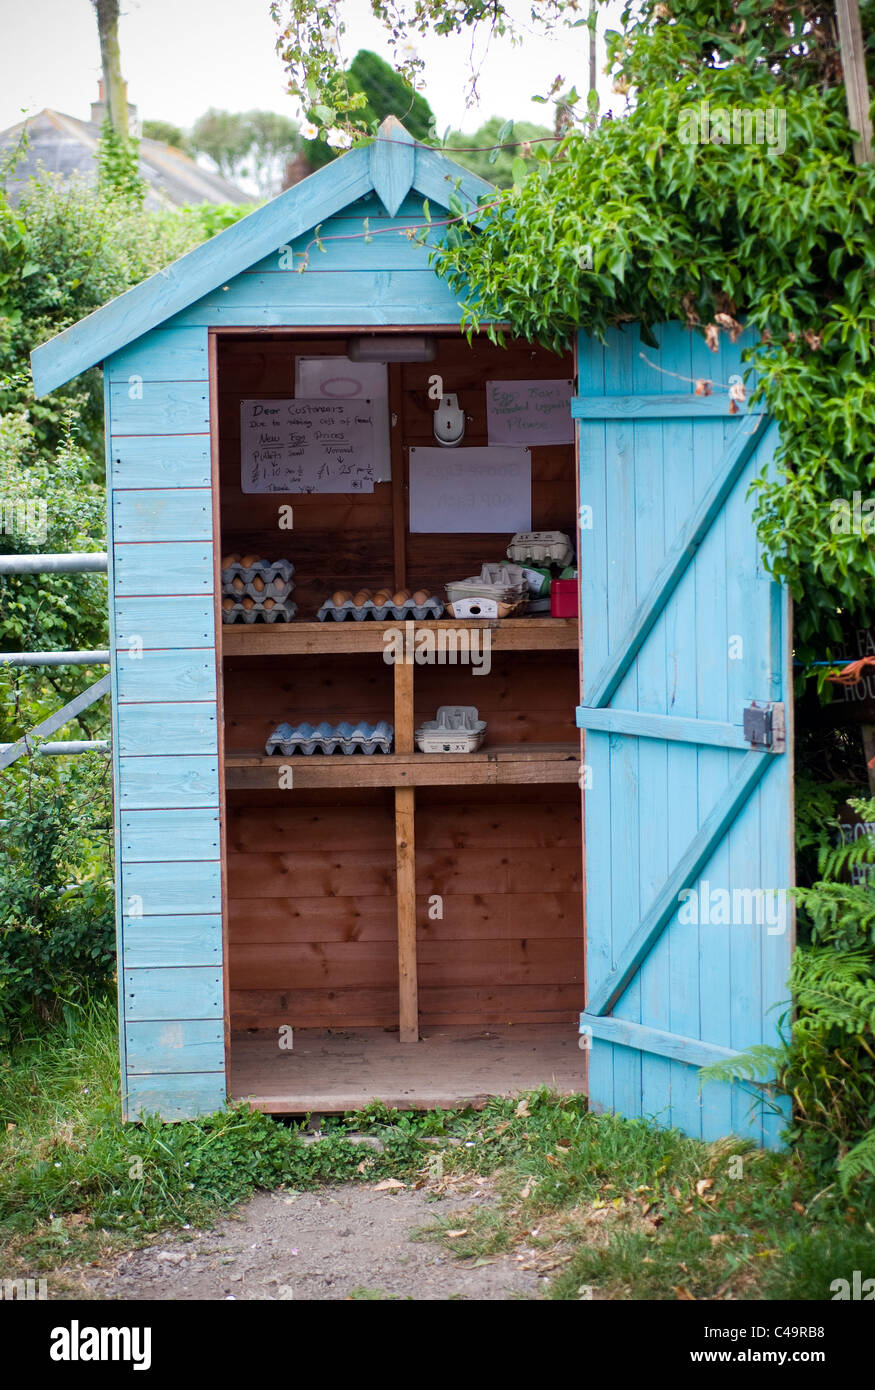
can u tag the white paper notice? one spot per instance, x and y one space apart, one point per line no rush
482 489
529 412
306 446
340 379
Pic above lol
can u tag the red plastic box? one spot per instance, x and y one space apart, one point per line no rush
564 602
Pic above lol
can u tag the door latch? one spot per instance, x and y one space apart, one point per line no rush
764 726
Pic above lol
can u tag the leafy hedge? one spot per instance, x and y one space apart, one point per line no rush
633 223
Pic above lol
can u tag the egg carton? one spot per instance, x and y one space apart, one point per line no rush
455 729
268 570
283 611
331 738
486 608
503 583
432 608
540 548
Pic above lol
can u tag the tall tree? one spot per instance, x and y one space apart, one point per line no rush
110 57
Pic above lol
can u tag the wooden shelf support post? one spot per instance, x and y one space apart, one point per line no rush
405 862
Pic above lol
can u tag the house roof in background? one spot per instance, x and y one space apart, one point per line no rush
65 145
390 166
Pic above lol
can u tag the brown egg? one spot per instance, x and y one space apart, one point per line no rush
382 596
268 604
237 585
421 596
361 597
227 604
249 560
229 560
340 596
248 603
258 584
401 596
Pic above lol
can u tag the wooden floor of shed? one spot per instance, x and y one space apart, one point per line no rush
329 1071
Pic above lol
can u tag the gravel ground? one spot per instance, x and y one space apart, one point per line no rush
316 1245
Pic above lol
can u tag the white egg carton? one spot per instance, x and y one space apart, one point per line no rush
331 738
540 548
432 608
455 729
283 611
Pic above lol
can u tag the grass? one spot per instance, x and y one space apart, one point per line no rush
603 1207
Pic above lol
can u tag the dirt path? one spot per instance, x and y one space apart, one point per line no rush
316 1245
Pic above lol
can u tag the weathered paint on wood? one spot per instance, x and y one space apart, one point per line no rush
152 836
682 625
182 460
187 1045
159 729
157 782
165 354
658 726
680 405
193 939
170 887
160 407
166 675
156 514
169 622
173 992
175 1097
316 298
184 567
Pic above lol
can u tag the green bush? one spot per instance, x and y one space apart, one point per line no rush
57 938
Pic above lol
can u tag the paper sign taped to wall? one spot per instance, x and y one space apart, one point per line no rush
529 412
480 489
306 446
337 378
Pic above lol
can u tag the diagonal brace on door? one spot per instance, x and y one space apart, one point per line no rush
56 721
746 440
752 769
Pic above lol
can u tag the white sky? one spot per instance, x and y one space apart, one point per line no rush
181 56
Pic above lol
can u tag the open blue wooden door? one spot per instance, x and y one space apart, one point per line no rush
688 820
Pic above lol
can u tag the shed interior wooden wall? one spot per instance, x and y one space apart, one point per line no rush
312 933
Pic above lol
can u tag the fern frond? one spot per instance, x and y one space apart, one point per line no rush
858 1162
833 990
759 1063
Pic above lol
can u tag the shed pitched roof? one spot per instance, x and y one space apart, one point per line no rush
391 166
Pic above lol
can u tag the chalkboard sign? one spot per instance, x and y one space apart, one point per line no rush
307 446
529 412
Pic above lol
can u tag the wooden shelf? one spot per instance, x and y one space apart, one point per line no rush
502 764
308 639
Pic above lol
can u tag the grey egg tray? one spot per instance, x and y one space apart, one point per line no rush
282 612
432 608
278 589
332 738
267 570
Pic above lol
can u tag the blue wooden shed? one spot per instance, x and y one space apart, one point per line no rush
426 928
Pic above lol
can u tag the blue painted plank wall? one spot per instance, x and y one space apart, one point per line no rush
163 627
364 270
165 726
